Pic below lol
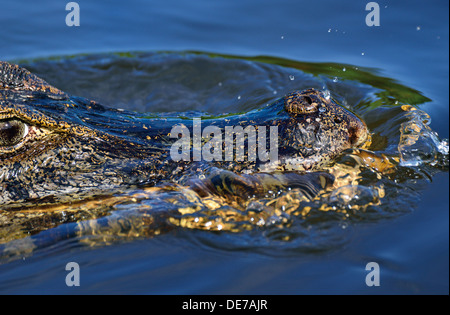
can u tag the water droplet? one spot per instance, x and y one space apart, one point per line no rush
362 54
275 92
239 97
219 84
282 37
418 28
322 109
344 69
291 77
329 30
327 94
335 79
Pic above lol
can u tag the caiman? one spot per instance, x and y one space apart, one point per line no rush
56 148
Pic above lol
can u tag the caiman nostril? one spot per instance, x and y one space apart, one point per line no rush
357 136
353 135
302 103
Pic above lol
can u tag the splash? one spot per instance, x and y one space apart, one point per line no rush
419 144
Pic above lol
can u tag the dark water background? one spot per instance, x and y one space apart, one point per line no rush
411 46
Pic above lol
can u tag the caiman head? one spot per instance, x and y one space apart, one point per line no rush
56 148
319 130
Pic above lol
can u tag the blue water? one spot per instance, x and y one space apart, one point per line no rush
411 46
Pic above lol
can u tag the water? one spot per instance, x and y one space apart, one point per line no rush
407 235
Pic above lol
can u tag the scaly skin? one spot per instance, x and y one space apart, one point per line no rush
56 148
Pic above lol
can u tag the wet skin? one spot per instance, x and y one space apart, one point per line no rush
56 148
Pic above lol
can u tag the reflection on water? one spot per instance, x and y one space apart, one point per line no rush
382 181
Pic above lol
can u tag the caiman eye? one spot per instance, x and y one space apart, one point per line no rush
12 132
20 138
